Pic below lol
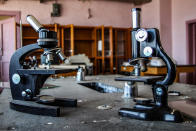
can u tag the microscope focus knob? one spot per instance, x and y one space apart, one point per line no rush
141 35
16 78
27 94
148 51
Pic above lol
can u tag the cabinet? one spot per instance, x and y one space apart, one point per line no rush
113 47
122 47
107 47
77 40
104 50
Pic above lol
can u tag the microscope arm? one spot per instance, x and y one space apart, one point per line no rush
16 64
19 56
171 67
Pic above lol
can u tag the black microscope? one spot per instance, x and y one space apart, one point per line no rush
26 81
146 44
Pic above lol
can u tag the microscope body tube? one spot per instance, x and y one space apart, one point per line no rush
34 23
136 25
136 18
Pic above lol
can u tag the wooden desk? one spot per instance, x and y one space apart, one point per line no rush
163 70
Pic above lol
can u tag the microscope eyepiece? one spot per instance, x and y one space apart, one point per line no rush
34 23
136 9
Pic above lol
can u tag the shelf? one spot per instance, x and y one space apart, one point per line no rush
120 56
99 57
66 39
80 39
29 38
84 40
107 57
91 57
121 41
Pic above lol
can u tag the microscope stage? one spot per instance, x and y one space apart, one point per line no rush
44 71
145 79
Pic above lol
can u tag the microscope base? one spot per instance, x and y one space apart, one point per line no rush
45 109
154 114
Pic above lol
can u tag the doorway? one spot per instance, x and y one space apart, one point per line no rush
191 49
17 16
9 40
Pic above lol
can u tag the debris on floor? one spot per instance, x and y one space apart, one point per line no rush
115 120
11 128
66 127
94 121
80 101
49 86
174 93
1 113
112 120
187 122
185 97
104 107
49 123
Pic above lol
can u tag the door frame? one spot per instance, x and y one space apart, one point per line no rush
17 16
189 45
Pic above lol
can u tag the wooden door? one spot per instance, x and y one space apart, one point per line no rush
7 46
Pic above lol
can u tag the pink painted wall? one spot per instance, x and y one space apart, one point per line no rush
75 12
151 14
182 11
166 26
157 14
